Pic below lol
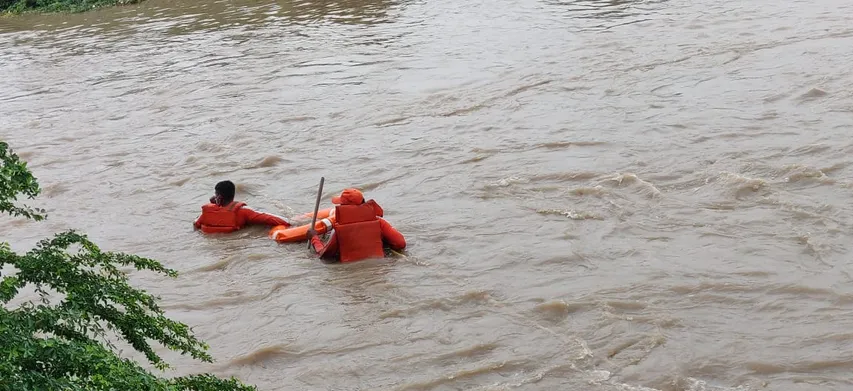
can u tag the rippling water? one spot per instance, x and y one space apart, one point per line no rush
598 195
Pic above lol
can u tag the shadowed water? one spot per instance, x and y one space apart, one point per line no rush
597 195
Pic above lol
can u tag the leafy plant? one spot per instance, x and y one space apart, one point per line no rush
64 345
15 179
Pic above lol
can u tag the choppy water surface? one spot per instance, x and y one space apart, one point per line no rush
598 195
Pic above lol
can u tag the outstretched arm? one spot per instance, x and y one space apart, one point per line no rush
253 217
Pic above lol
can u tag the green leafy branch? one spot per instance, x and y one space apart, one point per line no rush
15 179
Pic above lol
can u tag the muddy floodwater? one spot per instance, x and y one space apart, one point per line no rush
597 195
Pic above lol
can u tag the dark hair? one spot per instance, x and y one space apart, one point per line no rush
226 190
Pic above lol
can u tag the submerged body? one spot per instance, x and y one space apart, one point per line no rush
359 232
233 217
224 215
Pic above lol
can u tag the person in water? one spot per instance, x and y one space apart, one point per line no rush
359 231
224 215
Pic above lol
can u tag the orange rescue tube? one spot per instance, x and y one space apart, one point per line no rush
321 214
283 234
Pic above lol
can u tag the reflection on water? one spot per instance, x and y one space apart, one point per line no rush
606 9
247 16
359 12
186 17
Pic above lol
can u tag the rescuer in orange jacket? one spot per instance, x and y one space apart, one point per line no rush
359 231
224 215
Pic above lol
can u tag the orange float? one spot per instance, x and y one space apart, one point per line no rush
321 214
284 234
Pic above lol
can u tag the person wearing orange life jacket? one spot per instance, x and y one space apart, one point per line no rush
359 231
224 215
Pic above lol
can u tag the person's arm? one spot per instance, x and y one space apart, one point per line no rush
252 217
330 247
316 244
391 236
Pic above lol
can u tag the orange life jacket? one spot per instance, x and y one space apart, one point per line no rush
358 233
220 219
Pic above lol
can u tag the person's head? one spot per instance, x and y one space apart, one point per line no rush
355 197
349 197
225 191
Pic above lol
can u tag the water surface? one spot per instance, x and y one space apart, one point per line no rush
598 195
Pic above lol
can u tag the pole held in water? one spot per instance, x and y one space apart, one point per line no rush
316 207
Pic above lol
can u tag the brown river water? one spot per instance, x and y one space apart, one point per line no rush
597 195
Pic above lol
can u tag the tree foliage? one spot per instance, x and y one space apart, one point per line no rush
64 345
16 179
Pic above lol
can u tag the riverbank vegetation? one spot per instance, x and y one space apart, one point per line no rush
45 6
61 342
